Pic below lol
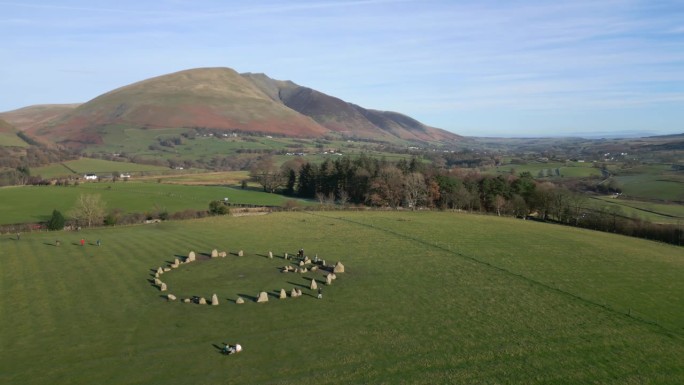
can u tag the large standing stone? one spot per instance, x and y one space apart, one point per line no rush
239 300
202 301
270 254
157 281
283 294
328 279
167 269
162 287
171 297
241 253
214 300
223 254
263 297
314 268
191 256
160 271
186 300
314 286
214 253
293 293
299 292
339 268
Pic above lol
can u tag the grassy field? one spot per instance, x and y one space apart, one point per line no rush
652 212
82 166
655 181
10 139
427 298
569 170
224 178
35 203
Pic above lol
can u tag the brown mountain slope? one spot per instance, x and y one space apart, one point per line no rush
219 98
216 98
347 118
7 128
33 117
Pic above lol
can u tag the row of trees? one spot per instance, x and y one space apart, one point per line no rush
412 184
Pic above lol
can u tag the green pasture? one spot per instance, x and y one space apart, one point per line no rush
568 170
653 212
89 165
427 298
661 187
10 139
35 203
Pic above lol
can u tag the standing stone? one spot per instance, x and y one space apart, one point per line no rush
263 297
334 277
270 254
214 253
191 256
301 263
162 287
339 268
157 281
285 270
283 294
286 256
214 300
299 292
167 269
241 253
293 293
239 301
314 268
186 300
202 301
160 271
328 279
171 297
314 286
223 254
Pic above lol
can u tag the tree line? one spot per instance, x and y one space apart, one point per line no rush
413 184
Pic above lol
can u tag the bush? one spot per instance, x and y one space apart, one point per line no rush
217 208
56 222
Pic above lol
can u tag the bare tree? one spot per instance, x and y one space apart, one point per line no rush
267 174
415 189
88 210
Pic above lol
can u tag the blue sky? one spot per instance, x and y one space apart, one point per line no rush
478 68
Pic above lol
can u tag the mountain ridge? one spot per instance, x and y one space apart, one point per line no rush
219 98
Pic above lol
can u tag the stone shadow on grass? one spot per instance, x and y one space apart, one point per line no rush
252 298
299 284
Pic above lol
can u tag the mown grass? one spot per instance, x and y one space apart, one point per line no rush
428 298
35 203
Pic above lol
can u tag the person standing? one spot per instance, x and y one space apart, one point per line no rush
320 293
82 242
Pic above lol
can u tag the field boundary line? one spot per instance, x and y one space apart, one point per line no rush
630 315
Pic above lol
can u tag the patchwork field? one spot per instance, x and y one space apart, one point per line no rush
427 298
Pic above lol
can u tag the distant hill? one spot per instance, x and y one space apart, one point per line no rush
34 117
218 99
347 118
7 128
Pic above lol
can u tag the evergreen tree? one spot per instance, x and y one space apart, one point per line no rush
56 222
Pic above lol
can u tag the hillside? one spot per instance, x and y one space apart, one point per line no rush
33 117
218 99
346 118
